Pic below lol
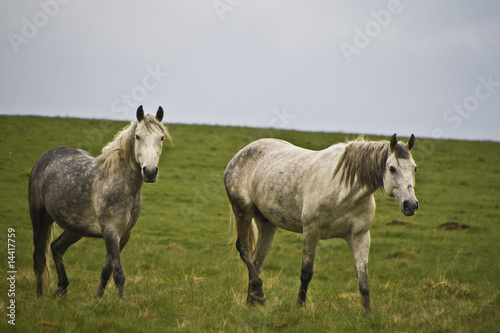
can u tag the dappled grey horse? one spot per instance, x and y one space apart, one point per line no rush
93 197
321 194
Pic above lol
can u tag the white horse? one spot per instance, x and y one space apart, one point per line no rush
321 194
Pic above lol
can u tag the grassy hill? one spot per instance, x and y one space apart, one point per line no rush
437 271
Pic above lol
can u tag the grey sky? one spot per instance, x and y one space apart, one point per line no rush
426 67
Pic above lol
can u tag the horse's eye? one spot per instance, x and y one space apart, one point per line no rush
416 169
392 169
137 137
162 138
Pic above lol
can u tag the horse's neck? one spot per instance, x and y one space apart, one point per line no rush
341 190
356 194
120 167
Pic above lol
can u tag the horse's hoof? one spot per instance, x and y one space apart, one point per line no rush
254 299
60 292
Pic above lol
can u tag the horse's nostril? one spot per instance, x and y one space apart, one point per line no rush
149 172
407 205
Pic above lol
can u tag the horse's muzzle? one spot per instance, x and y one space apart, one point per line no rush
149 174
409 208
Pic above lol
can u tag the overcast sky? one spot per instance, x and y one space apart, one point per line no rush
377 67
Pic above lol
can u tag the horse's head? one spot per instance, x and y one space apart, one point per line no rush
399 177
149 136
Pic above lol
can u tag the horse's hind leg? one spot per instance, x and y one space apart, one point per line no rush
267 233
59 247
244 247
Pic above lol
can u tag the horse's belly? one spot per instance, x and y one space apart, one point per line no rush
281 219
72 212
340 229
289 225
85 231
78 222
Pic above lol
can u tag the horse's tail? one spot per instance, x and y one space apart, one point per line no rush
42 224
42 237
252 238
46 269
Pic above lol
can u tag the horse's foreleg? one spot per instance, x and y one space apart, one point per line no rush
360 246
59 247
112 264
310 243
105 275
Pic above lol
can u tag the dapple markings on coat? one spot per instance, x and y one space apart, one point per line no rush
93 197
321 194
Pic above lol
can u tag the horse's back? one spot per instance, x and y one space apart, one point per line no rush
58 159
61 182
258 150
246 160
272 157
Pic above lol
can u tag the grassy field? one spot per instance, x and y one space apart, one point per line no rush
438 271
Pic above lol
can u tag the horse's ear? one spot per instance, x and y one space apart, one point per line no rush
159 113
411 142
394 142
140 113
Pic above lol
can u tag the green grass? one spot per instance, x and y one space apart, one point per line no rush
182 275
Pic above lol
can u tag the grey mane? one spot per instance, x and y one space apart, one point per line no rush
365 162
